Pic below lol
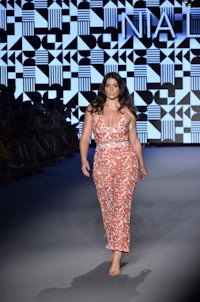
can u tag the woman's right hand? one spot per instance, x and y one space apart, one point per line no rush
85 168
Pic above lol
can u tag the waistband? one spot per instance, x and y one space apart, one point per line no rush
112 144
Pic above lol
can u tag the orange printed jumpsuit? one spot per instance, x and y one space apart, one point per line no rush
115 174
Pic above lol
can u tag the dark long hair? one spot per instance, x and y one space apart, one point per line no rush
125 99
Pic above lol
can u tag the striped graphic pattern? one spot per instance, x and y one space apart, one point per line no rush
56 76
168 131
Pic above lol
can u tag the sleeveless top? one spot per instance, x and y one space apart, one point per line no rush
110 136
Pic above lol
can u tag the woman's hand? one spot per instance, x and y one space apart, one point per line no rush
85 168
143 173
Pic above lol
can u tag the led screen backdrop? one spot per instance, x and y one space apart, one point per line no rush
62 49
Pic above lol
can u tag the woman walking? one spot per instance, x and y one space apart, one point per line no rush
117 161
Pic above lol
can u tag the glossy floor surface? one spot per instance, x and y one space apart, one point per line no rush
52 238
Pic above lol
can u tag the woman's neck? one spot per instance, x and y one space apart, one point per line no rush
112 104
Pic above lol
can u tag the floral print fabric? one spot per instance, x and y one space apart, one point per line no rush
115 174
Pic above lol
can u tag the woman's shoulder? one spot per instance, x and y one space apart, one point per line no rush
130 113
89 109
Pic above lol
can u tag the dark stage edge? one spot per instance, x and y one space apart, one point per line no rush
52 239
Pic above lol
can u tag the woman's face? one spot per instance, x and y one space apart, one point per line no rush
111 89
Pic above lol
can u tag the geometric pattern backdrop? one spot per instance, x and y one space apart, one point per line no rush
62 49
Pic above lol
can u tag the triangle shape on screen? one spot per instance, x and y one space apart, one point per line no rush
82 44
180 56
67 57
171 102
162 56
187 112
99 68
12 58
195 98
55 62
156 69
42 73
184 44
180 112
95 19
18 96
60 57
155 131
66 3
55 5
74 2
73 102
187 56
167 117
167 60
3 46
121 4
16 46
138 101
131 56
127 44
27 45
82 100
26 97
41 20
106 57
123 56
155 11
19 57
185 100
197 93
171 56
156 124
69 95
177 3
114 45
4 58
138 44
72 44
163 112
51 57
4 3
170 44
75 57
111 61
115 56
75 112
172 112
19 3
97 73
11 4
166 3
152 75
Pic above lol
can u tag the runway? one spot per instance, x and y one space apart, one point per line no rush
52 237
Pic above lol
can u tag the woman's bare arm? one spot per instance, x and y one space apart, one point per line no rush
135 143
85 141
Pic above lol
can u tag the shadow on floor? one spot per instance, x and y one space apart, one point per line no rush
96 286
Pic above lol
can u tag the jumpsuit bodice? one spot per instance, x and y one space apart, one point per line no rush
105 135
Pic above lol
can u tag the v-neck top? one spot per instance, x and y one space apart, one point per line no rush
108 134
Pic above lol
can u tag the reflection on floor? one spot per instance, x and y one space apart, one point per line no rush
52 238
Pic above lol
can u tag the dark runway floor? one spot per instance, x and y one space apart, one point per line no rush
52 238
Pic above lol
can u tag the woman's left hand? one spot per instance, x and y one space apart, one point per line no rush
143 173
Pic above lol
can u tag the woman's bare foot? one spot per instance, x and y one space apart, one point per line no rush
115 266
